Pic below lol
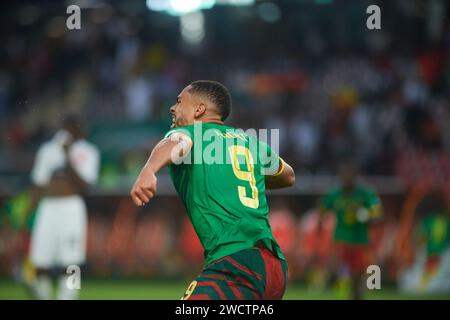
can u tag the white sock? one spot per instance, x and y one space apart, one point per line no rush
64 292
43 287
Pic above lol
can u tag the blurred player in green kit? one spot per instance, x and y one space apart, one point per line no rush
430 269
17 216
354 207
221 175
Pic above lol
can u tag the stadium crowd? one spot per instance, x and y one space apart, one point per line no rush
374 102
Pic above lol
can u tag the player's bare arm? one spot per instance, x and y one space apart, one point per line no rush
285 177
164 153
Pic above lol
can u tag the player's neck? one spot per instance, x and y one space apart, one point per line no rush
212 120
348 189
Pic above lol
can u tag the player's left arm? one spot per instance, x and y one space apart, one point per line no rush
374 206
373 210
169 150
284 177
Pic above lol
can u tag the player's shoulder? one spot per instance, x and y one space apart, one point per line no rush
46 146
367 193
365 190
86 146
334 191
184 130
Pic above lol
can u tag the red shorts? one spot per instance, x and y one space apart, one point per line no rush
354 256
250 274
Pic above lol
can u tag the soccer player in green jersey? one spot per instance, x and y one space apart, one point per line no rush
354 207
221 175
434 236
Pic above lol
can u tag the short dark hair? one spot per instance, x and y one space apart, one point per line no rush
216 92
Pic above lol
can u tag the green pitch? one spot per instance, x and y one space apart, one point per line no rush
138 290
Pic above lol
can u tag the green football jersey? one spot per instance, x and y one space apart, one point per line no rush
221 183
435 228
345 207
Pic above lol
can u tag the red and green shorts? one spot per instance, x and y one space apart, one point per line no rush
250 274
355 256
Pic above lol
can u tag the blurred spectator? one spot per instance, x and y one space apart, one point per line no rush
282 221
117 68
139 95
191 248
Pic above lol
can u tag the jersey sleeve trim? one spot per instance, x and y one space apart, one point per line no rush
280 167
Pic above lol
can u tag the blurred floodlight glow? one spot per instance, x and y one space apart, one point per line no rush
192 27
185 6
238 2
158 5
179 7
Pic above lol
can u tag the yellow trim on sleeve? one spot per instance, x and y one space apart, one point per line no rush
280 168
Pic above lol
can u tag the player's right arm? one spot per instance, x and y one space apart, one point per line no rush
166 152
284 177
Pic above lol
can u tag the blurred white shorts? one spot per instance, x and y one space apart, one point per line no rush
59 233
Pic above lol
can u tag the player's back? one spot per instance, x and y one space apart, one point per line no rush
222 185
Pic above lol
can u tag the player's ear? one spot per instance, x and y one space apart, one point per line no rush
200 109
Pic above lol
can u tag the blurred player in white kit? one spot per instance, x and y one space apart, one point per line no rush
64 167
